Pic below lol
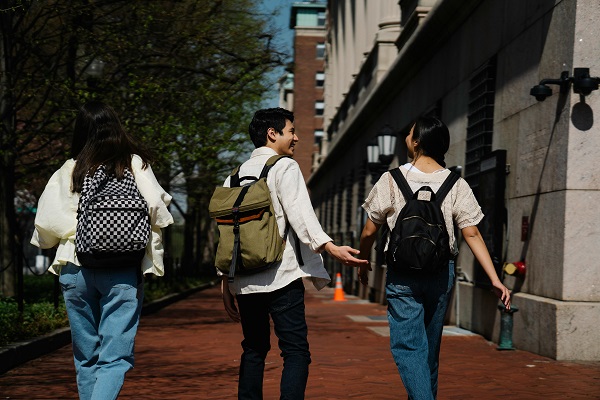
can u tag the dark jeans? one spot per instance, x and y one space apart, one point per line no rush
286 307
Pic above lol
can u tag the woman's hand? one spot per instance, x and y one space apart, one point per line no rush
363 274
502 292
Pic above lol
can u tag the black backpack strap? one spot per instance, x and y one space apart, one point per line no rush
234 178
402 183
236 233
446 187
269 164
265 171
298 252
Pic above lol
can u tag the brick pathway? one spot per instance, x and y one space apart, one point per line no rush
190 350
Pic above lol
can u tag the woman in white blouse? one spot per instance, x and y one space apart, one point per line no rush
103 304
417 302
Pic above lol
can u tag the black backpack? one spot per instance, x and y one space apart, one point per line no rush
113 224
419 241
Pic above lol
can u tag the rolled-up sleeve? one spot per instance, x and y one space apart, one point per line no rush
55 219
294 199
157 198
466 210
379 201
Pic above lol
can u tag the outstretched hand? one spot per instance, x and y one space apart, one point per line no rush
345 255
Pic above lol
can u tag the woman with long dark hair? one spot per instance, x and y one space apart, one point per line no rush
417 301
103 304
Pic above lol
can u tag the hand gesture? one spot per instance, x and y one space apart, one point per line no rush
344 254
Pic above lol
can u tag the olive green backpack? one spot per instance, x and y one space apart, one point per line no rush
249 239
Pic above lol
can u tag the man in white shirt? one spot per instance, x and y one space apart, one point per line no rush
279 291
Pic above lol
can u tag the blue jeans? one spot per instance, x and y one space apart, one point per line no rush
104 307
417 306
286 307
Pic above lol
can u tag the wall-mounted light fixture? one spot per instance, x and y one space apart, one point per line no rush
380 153
583 84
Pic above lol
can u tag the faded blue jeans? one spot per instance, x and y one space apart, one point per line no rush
286 308
417 306
104 307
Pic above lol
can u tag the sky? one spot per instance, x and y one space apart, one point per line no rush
285 39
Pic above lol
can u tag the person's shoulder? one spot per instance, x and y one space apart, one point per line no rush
69 164
136 161
66 169
462 186
286 163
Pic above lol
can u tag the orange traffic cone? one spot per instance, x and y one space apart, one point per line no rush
338 295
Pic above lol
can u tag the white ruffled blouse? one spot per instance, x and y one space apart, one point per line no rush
56 218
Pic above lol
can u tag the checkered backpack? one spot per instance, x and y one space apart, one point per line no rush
113 224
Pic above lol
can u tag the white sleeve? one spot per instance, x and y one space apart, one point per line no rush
158 199
297 207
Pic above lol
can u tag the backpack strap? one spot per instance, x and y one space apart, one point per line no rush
234 177
269 164
265 171
236 232
402 184
446 187
408 194
298 252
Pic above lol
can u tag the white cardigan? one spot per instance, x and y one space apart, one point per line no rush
56 218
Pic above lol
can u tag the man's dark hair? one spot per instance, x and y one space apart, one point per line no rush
265 119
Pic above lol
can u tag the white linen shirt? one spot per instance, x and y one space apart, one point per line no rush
56 218
292 205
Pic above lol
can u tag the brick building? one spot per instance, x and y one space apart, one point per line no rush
308 21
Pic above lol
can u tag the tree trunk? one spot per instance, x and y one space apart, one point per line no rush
7 160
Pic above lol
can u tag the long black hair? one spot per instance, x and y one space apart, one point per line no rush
99 139
433 138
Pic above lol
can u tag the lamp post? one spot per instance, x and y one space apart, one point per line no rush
93 73
380 152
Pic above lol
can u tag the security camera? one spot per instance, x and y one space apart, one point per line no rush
540 92
582 82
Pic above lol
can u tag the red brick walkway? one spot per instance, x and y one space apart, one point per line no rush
190 350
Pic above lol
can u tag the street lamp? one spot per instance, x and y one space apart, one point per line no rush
93 72
380 152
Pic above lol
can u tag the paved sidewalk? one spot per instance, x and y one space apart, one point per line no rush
190 350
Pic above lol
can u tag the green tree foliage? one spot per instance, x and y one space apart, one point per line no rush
184 75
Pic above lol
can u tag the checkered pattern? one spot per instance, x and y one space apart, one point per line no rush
112 215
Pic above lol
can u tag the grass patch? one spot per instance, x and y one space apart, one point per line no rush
39 316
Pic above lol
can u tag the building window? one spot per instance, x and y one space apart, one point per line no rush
320 79
480 119
320 50
319 107
321 18
319 136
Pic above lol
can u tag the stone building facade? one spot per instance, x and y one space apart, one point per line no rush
531 163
